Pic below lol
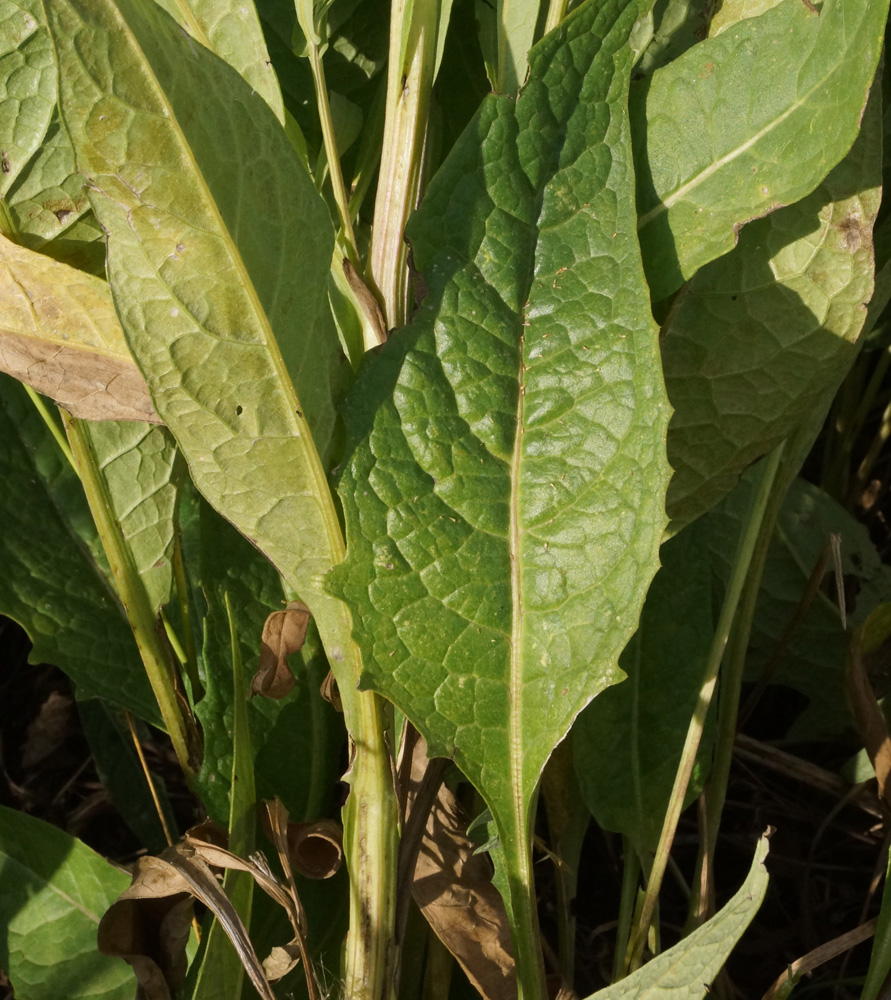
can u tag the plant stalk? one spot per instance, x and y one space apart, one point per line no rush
745 551
731 686
370 820
411 69
307 21
156 655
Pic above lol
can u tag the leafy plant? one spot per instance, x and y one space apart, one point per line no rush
431 428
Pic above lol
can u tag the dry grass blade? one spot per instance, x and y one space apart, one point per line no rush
813 959
282 960
284 633
185 869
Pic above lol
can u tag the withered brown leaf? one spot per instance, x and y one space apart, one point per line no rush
284 633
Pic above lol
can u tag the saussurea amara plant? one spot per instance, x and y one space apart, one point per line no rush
349 312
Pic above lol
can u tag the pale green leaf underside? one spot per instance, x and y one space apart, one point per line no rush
231 29
762 338
505 502
137 461
52 584
713 158
686 971
55 889
219 248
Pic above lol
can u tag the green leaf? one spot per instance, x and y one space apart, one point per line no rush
628 741
231 29
712 159
52 586
504 500
813 661
55 889
27 86
141 468
43 201
762 338
299 728
686 971
516 32
219 248
679 24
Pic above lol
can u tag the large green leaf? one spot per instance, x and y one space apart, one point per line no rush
231 29
711 158
628 741
504 502
52 584
686 971
813 661
55 889
763 337
219 249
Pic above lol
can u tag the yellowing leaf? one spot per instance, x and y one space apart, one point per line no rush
59 334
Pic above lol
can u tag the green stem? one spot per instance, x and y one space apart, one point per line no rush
731 683
156 656
185 617
556 13
412 64
627 903
741 565
371 832
51 424
341 198
531 983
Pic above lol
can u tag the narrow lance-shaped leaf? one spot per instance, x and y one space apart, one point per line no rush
711 158
219 248
686 971
504 502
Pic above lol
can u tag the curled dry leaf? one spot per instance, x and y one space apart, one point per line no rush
453 889
177 872
316 849
329 691
150 935
284 633
59 333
